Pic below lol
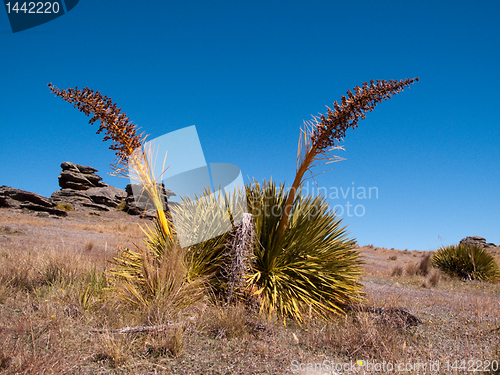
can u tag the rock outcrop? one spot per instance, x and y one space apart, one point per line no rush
78 177
476 240
16 198
83 188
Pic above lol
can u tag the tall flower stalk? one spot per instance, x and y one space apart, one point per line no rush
321 135
131 153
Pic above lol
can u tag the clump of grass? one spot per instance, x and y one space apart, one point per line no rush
397 271
227 321
435 277
33 270
166 342
468 262
89 245
64 207
425 265
411 269
122 206
155 275
113 350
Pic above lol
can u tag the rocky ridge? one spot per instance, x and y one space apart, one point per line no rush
81 188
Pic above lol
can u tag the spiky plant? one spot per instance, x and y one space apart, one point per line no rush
467 261
159 271
208 223
313 268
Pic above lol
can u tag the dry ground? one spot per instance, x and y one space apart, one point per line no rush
47 264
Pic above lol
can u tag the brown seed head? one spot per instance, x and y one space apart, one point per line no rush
117 125
332 127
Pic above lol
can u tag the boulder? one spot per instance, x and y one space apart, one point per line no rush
73 197
83 188
12 196
138 202
79 177
16 198
37 207
97 197
476 240
96 206
108 196
68 166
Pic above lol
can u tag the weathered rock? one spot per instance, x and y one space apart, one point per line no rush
104 196
68 166
9 202
73 197
83 188
16 198
79 177
100 207
108 196
22 196
476 240
37 207
138 202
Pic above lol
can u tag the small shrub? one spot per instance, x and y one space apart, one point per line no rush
64 207
467 261
411 269
122 206
175 342
113 350
166 343
89 245
434 277
394 257
397 271
425 265
227 322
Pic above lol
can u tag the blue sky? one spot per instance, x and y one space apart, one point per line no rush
247 74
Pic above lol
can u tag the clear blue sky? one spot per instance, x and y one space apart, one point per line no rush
247 73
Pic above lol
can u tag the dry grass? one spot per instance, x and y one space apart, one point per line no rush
52 292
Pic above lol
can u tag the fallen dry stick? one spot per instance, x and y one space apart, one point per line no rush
138 329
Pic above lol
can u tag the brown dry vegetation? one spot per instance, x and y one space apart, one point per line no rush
53 290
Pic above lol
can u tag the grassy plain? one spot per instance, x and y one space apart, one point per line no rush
53 294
